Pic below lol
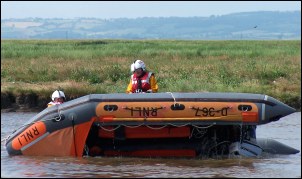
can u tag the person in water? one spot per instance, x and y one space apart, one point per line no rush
141 81
58 97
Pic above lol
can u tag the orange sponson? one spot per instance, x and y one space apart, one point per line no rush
147 132
29 135
153 153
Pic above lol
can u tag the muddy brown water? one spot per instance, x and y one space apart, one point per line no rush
287 130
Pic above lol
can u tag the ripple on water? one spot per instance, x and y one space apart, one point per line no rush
287 130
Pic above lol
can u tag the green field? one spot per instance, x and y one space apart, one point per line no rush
81 67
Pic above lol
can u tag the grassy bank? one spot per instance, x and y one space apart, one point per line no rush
81 67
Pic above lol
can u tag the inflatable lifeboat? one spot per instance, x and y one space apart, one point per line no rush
152 125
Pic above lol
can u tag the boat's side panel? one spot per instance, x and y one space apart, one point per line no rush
68 141
60 141
55 134
269 109
245 112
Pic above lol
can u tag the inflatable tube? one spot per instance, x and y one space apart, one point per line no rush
63 130
274 147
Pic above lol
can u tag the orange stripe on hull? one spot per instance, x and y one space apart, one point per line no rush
29 135
250 117
166 111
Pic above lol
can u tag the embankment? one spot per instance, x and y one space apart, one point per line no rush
31 102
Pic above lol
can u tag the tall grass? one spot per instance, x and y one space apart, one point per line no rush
103 66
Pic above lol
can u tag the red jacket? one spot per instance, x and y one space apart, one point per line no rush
141 84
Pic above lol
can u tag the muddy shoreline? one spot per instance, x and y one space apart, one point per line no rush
24 102
33 103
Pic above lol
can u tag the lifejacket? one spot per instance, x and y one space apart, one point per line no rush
52 103
141 84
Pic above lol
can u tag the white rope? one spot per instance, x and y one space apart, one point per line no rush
133 126
5 139
200 133
200 130
156 128
110 130
178 125
204 127
173 98
59 112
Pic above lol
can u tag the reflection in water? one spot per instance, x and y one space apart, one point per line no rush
287 131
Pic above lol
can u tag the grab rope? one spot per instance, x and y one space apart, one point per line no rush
109 130
134 126
155 128
201 130
57 119
200 133
173 98
204 127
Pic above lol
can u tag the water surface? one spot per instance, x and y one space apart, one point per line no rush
287 130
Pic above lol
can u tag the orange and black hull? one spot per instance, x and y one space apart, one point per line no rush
156 124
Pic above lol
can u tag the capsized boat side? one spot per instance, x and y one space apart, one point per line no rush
155 124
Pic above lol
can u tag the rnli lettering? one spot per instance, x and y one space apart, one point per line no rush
144 111
205 112
28 135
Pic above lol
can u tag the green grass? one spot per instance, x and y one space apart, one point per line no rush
82 67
